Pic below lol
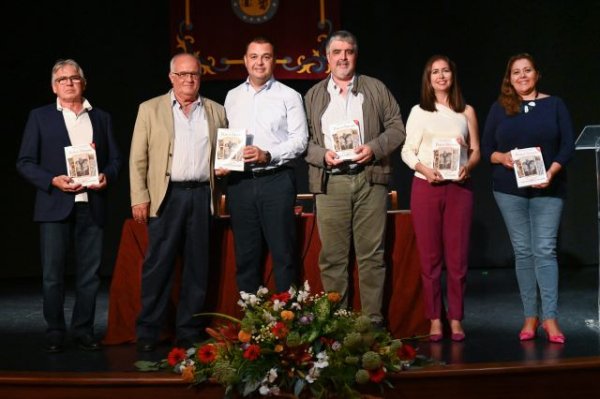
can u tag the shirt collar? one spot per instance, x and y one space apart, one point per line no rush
266 86
332 87
86 105
174 102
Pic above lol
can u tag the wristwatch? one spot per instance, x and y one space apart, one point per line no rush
268 157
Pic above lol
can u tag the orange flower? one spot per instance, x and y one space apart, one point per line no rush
278 348
188 374
287 315
244 336
334 297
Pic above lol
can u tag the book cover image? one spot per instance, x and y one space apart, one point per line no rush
230 147
345 138
528 165
82 165
446 158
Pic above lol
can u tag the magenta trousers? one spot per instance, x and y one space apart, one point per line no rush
441 215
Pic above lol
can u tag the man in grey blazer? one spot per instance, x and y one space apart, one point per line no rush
172 183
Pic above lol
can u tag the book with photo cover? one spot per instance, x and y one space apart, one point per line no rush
230 148
446 158
345 138
82 164
528 165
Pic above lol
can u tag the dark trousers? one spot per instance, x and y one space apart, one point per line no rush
182 227
55 243
263 207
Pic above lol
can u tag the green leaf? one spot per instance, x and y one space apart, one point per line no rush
221 315
145 365
299 387
250 387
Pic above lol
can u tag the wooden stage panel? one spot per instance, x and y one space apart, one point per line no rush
567 378
403 302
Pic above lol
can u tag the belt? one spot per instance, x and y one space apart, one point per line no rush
189 184
347 171
256 173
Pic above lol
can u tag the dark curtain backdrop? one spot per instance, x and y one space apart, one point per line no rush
124 48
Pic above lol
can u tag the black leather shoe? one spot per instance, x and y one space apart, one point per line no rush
53 348
87 343
143 345
54 344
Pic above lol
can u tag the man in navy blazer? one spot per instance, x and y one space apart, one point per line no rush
69 212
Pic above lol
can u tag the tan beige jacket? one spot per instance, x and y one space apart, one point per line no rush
152 150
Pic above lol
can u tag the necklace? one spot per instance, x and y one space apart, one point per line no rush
531 103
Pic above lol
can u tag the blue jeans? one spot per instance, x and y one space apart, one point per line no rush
56 239
532 225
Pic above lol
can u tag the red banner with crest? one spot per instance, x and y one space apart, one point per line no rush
218 31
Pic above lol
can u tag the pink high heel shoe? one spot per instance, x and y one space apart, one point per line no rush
458 337
435 337
529 335
555 339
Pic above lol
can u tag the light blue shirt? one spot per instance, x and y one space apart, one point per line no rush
273 117
191 151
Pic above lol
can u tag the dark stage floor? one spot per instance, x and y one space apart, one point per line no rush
493 319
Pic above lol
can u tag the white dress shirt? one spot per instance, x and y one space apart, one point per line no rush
273 117
81 132
341 108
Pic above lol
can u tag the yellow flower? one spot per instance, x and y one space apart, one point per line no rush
244 336
278 348
334 297
287 315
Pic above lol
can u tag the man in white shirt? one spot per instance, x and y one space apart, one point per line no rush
262 198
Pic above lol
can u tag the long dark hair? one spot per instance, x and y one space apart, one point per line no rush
455 98
508 98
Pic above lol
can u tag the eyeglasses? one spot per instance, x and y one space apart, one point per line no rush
184 75
75 79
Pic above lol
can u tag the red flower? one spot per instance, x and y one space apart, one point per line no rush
279 330
282 296
252 352
175 356
406 352
377 375
207 353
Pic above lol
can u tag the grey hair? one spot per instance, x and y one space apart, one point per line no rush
344 36
172 62
61 64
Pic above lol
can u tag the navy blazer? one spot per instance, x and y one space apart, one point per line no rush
42 157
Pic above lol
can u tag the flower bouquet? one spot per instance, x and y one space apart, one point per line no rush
292 342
